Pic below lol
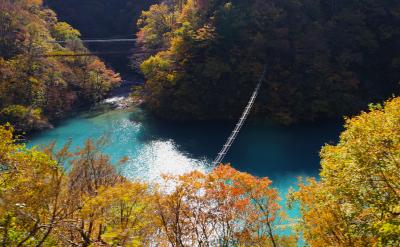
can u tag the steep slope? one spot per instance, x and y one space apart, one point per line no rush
324 59
36 88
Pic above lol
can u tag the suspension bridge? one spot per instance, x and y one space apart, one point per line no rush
90 54
93 41
225 148
232 137
97 53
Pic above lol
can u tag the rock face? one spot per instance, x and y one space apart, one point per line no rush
120 102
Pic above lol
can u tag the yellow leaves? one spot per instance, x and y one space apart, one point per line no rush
154 64
125 209
49 83
192 12
156 23
171 78
33 81
360 183
34 2
7 143
63 31
95 205
31 183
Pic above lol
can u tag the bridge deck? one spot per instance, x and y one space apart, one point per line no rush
225 148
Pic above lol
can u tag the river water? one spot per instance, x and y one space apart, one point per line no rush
155 146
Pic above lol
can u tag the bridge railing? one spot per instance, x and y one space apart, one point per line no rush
221 155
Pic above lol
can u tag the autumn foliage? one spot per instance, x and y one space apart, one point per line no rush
324 59
222 208
36 89
357 200
64 198
79 197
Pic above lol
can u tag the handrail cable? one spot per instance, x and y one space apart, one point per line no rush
221 155
93 41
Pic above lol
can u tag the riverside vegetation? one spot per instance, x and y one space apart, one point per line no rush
34 88
78 198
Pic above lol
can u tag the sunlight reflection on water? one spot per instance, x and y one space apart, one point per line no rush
148 159
162 157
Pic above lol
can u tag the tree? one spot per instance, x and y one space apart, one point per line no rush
61 198
156 25
35 89
224 208
32 195
356 201
63 31
324 59
124 213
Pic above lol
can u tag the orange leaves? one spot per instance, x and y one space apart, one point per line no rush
241 204
34 2
244 205
237 191
94 205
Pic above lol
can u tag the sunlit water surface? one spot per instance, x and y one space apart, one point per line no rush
154 147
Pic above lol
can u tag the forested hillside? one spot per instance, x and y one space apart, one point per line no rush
323 58
36 88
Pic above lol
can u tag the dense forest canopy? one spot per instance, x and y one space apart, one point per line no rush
35 88
323 58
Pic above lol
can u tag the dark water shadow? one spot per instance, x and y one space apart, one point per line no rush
197 138
261 149
276 150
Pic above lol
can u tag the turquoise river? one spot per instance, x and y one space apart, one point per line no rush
154 146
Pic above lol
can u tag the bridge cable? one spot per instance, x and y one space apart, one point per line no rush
221 155
93 41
